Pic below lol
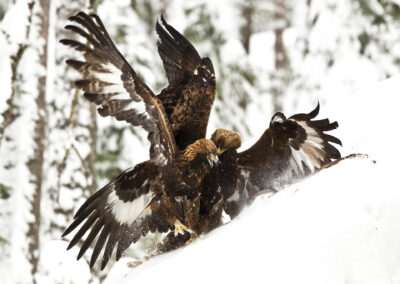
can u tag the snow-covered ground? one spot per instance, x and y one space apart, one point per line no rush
339 226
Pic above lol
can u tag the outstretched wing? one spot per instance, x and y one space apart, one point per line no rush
191 92
290 149
109 81
119 213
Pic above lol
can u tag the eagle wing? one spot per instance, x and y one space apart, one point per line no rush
289 149
121 213
110 82
192 88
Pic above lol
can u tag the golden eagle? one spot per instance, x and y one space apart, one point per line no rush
290 149
161 194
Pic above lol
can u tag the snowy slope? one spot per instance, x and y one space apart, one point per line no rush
339 226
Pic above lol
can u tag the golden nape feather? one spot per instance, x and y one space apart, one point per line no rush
226 139
201 146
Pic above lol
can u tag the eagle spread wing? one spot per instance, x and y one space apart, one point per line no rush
290 149
192 88
109 81
118 210
138 201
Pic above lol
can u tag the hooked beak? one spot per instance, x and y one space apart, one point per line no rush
213 160
220 151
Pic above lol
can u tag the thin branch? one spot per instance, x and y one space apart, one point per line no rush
70 124
60 169
86 169
351 156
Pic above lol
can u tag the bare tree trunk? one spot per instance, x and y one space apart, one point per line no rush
280 54
91 161
11 113
35 165
93 149
281 63
247 29
308 27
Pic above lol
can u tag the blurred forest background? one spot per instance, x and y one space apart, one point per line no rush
276 55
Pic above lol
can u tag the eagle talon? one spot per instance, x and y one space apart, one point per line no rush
180 228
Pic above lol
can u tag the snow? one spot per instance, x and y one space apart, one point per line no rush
341 225
61 265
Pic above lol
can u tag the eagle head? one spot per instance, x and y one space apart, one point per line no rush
277 118
225 139
285 128
202 149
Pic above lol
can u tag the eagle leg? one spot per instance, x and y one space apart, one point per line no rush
193 237
180 228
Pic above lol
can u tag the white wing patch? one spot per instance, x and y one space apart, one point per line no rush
128 212
312 135
310 152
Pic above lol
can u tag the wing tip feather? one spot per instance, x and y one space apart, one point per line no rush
315 111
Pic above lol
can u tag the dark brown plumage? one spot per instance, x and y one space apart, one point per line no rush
144 199
161 194
290 149
191 92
